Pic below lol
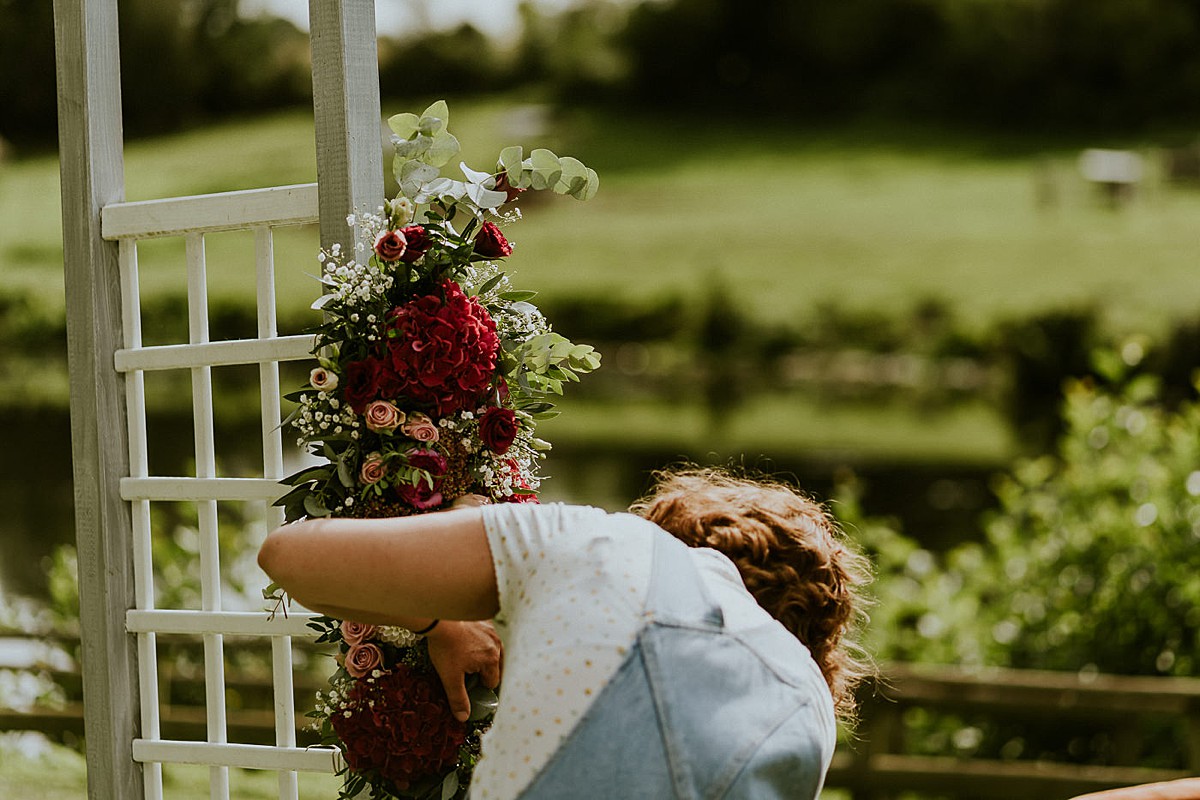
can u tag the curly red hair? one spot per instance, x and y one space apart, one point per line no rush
791 554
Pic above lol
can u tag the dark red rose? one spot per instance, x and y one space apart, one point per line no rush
442 350
426 494
390 246
362 382
419 243
498 427
511 192
400 727
490 242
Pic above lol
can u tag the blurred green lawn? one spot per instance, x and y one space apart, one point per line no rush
789 217
786 217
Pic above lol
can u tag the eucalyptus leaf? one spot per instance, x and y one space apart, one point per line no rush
450 785
404 125
443 148
510 160
439 115
485 198
314 508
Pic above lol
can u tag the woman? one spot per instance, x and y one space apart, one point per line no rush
636 666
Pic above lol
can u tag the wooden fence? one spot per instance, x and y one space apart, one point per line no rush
878 763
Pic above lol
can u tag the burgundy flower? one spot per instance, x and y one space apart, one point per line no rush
362 383
442 350
390 245
425 494
399 727
498 428
490 242
418 240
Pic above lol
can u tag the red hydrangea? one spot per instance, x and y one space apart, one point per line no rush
399 727
442 350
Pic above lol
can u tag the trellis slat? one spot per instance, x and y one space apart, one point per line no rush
246 756
215 354
234 623
208 213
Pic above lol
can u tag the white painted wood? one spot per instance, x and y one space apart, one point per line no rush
246 756
215 354
197 489
92 175
206 511
233 623
206 213
272 442
143 563
346 112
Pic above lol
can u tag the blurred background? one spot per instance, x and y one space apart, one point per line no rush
936 260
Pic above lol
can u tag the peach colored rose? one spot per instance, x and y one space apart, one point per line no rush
372 469
420 427
356 632
382 416
363 658
323 380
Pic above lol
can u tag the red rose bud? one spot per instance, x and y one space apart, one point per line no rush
490 242
419 243
390 245
498 428
512 192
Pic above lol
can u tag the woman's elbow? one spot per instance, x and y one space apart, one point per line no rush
274 555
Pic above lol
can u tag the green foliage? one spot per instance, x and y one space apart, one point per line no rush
1088 564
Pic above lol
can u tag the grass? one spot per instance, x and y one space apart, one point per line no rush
58 773
786 217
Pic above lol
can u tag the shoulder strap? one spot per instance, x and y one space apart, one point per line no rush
677 592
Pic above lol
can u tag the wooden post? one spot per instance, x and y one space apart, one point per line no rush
92 169
346 108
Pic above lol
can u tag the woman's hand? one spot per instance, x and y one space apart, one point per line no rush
458 649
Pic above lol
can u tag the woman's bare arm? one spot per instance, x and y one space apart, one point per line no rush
397 571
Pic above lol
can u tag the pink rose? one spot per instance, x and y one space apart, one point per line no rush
490 242
383 417
420 427
356 632
323 380
363 658
372 469
390 245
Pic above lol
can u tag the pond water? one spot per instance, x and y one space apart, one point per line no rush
938 504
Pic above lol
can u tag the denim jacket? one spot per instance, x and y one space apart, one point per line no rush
697 712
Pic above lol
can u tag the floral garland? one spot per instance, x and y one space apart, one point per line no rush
432 375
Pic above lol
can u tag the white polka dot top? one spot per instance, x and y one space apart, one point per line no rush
572 584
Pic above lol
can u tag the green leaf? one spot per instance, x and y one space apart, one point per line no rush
546 169
510 160
540 415
518 295
314 508
293 496
444 147
344 474
450 785
404 125
492 283
436 118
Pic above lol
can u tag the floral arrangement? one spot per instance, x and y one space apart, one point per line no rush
432 375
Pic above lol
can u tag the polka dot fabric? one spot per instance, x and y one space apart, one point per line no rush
572 584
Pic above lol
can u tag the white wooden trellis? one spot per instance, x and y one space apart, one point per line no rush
113 487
